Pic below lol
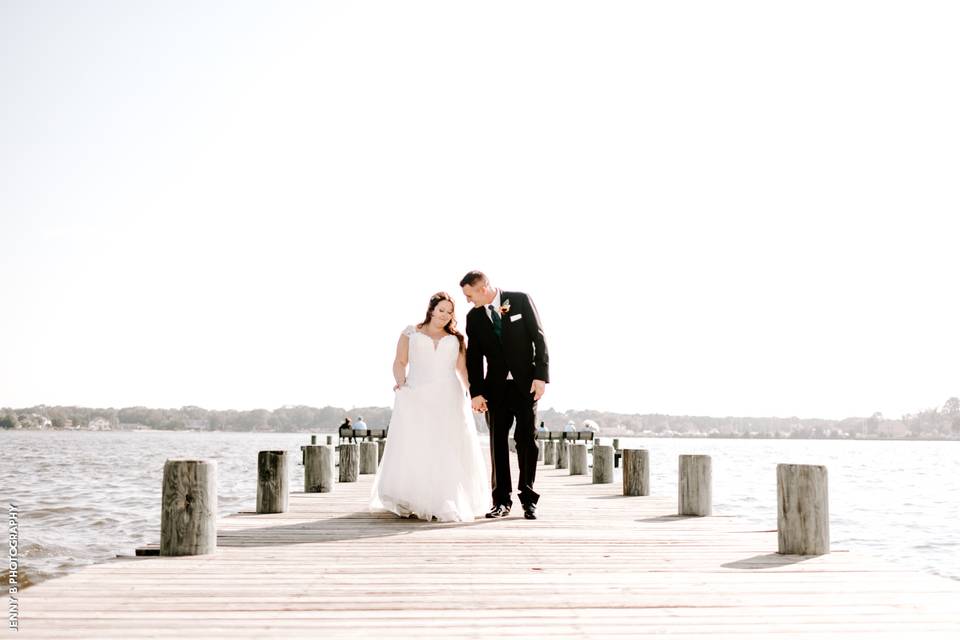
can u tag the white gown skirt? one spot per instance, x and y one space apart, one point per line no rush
432 466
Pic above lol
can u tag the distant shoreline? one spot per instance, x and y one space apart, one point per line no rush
936 423
635 436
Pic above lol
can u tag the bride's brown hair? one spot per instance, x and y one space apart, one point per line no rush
451 327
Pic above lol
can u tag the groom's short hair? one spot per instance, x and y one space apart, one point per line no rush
473 277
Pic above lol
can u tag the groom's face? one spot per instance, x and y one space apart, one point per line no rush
477 294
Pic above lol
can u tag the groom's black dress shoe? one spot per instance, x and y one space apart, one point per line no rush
499 511
530 511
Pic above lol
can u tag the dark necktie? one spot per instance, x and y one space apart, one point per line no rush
495 317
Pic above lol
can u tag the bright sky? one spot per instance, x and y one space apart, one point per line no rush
737 208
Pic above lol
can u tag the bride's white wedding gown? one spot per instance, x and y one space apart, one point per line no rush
432 465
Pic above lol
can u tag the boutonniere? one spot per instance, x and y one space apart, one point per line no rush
505 307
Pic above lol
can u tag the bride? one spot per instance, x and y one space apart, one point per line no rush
432 466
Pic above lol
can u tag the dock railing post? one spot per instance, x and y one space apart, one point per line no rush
803 511
550 452
369 457
563 455
349 462
273 482
578 459
318 467
694 486
636 472
602 464
188 518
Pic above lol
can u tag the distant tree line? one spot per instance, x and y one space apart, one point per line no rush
296 418
937 422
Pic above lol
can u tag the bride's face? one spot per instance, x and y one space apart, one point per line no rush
442 313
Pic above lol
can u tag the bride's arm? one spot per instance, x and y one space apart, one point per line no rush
462 370
400 361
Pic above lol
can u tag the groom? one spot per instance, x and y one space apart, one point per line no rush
504 328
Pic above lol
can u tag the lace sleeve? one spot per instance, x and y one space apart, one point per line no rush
409 331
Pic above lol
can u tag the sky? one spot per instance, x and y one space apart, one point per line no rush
727 209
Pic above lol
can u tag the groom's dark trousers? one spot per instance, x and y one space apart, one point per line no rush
515 355
516 404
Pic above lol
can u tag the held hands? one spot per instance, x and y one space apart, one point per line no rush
479 404
538 388
399 384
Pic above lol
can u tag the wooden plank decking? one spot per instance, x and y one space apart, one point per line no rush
595 564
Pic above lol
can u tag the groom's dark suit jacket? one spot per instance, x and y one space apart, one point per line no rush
520 350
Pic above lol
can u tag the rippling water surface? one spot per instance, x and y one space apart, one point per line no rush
88 496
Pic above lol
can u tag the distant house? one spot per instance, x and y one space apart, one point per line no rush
197 425
99 424
34 421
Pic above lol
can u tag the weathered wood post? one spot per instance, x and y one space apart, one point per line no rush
616 444
578 459
188 519
636 472
318 468
313 439
602 464
329 439
550 452
563 454
695 486
369 457
803 513
381 447
539 450
349 462
273 482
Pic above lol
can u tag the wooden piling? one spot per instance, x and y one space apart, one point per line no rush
318 467
349 462
563 455
803 514
636 472
273 482
578 459
694 486
369 457
188 519
602 464
550 452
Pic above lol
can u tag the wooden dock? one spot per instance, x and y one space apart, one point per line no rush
596 564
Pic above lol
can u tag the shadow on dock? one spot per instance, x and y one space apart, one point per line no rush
359 525
767 561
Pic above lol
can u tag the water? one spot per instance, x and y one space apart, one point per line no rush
87 496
